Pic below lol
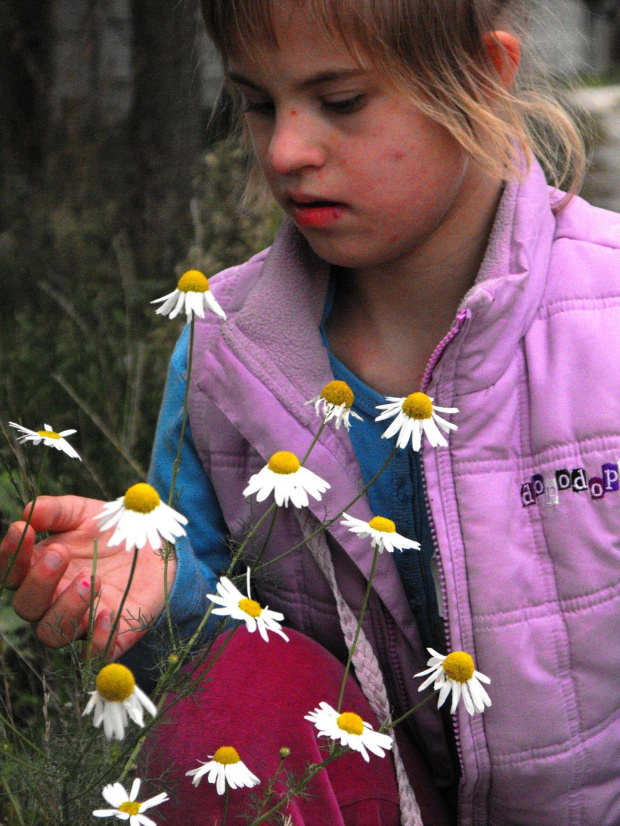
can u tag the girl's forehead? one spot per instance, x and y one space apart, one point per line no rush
298 44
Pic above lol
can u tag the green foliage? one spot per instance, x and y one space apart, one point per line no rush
225 234
80 346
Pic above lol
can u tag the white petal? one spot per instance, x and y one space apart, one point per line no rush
162 797
114 794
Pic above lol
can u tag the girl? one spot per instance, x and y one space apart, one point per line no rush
423 250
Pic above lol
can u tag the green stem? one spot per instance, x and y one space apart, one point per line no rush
177 461
159 705
119 612
309 775
168 550
91 605
325 525
312 444
30 765
225 812
270 787
27 525
22 736
168 547
14 802
267 538
411 710
358 629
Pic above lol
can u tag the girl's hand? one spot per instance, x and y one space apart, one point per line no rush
52 577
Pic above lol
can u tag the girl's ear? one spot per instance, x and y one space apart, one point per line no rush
505 53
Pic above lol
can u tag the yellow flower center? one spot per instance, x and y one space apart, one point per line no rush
226 755
49 434
459 666
351 723
115 683
418 406
141 498
284 462
193 281
381 523
131 807
250 606
337 393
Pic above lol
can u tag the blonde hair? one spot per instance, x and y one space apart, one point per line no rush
434 52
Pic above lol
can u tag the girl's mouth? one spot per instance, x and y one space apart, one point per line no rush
317 213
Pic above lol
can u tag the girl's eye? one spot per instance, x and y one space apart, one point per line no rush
344 106
262 107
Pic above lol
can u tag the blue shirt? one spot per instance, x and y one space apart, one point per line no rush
397 494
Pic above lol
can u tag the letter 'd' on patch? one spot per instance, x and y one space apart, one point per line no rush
579 479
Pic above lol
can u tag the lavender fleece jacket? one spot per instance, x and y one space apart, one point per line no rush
525 502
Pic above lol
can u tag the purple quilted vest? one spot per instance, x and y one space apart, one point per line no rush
525 502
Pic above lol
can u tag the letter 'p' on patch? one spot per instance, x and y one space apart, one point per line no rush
611 477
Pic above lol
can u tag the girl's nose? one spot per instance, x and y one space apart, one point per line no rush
293 145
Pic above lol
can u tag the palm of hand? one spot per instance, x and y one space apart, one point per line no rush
78 534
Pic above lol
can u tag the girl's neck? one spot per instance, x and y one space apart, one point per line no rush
387 320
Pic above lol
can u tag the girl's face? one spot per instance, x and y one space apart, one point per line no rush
366 177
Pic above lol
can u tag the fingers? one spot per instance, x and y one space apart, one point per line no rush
57 513
36 591
14 568
65 620
101 632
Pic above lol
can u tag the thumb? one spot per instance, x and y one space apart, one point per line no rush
61 513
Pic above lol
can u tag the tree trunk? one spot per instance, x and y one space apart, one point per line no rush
166 130
24 83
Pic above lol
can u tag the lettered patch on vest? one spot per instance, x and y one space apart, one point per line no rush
548 489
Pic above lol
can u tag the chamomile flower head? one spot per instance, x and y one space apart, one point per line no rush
239 607
192 295
382 533
349 730
49 438
141 516
334 402
287 479
415 414
225 767
126 807
456 673
115 699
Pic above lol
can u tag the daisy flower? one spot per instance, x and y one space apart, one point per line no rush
192 295
350 730
117 697
284 475
126 807
415 414
49 438
140 515
245 609
456 673
382 532
225 766
334 402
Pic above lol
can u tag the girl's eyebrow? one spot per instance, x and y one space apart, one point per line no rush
315 80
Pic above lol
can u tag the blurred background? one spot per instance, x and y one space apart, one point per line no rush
114 179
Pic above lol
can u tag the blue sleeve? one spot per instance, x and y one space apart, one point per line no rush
202 556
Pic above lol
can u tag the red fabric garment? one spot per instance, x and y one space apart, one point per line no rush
255 698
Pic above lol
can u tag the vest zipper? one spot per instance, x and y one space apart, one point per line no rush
460 319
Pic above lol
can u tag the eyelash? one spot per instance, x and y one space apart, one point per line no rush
339 107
